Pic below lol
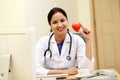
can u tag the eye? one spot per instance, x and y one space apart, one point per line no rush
62 20
54 22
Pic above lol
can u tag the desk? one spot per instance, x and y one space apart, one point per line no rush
72 77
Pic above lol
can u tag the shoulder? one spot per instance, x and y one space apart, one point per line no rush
43 40
77 37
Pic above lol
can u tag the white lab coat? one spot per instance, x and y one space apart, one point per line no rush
78 58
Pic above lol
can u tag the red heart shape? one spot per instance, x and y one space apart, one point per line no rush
76 26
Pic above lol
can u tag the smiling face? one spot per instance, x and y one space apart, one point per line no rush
59 24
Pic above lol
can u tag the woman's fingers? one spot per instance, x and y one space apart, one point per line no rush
86 34
85 30
72 70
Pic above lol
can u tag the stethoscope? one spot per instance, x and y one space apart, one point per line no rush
68 57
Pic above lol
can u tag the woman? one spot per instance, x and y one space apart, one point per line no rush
62 52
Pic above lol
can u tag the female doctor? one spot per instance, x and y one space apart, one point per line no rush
62 52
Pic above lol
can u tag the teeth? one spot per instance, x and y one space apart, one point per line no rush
60 29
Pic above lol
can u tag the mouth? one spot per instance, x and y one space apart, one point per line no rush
60 29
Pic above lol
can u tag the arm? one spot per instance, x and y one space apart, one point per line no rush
65 71
87 35
86 61
40 48
88 46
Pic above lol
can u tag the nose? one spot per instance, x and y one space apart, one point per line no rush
59 24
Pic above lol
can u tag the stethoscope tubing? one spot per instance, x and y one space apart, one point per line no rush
49 47
48 50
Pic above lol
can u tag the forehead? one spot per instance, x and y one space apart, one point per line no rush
57 15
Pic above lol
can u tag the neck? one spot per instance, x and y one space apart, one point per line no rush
60 38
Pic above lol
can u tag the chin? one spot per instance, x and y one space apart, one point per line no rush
62 33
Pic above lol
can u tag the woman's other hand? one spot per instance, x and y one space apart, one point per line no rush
72 71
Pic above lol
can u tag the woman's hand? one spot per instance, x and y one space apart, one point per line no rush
86 33
71 71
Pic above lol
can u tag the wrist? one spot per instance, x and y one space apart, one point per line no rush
63 71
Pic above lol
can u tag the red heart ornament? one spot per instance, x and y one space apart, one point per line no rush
76 26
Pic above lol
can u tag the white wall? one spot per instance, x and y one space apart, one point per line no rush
12 14
36 13
26 13
14 39
18 44
84 12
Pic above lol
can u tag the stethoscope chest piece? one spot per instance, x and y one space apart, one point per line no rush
68 58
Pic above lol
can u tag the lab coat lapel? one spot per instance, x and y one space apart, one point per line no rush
54 46
65 48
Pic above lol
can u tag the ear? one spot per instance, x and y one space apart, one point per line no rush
68 30
50 30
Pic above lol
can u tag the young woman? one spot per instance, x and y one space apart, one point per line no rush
62 52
